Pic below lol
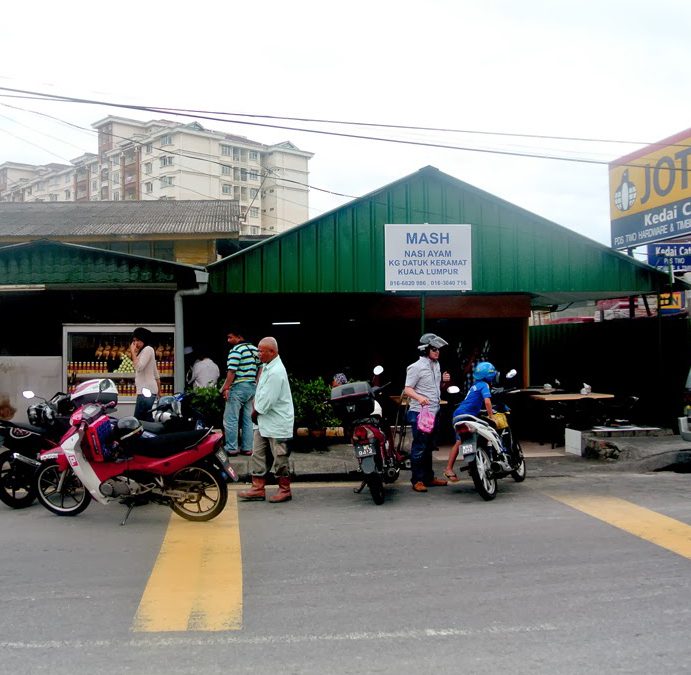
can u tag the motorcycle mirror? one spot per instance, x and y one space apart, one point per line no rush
511 373
147 392
453 389
378 370
28 394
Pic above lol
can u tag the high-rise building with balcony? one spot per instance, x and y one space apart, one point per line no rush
162 159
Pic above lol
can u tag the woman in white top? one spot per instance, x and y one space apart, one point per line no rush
145 372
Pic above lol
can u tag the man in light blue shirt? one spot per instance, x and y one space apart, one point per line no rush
274 419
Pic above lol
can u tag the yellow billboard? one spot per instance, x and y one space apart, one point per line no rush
650 193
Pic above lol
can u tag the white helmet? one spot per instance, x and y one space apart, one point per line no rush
431 340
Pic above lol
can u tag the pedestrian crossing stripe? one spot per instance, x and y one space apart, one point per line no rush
196 582
653 527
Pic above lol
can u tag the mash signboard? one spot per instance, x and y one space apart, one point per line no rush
650 193
428 257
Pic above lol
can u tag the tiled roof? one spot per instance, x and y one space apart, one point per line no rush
22 221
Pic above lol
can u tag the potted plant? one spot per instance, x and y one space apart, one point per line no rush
208 402
311 403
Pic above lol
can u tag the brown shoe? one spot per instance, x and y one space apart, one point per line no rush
256 493
419 487
437 482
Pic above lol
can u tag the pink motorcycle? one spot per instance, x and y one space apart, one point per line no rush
109 459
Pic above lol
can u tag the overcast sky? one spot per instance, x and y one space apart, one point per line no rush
612 70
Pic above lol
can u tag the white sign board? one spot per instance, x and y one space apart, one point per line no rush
428 258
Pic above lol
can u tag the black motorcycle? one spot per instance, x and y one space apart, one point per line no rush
48 422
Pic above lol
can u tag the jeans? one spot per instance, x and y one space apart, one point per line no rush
239 410
142 407
423 444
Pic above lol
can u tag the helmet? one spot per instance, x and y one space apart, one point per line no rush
431 340
484 371
40 414
127 429
91 391
167 408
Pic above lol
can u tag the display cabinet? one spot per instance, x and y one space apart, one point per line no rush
101 350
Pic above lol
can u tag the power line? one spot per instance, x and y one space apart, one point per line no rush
191 112
173 111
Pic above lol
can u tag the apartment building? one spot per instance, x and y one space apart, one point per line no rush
162 159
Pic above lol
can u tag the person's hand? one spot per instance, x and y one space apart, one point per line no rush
446 376
255 416
423 400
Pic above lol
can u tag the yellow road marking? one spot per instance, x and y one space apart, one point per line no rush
196 582
661 530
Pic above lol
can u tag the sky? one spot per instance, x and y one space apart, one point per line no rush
536 77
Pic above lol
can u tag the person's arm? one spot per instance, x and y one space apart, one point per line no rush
411 393
143 358
230 378
488 406
269 392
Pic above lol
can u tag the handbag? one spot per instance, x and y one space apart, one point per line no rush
425 420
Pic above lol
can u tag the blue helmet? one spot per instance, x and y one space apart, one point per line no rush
484 371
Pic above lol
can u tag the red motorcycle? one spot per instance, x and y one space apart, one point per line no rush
109 459
356 404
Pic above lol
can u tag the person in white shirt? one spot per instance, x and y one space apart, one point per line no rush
274 418
204 372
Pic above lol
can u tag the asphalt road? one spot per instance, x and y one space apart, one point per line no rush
330 583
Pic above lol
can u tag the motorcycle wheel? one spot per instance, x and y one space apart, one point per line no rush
484 482
376 488
16 482
68 499
519 473
206 493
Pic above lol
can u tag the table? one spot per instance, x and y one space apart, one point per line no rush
570 397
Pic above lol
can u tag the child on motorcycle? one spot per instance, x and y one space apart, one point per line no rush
478 395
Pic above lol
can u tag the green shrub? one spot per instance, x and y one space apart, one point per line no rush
209 402
311 403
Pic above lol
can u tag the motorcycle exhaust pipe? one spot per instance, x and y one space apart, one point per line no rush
31 462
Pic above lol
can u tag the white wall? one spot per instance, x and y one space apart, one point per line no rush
41 374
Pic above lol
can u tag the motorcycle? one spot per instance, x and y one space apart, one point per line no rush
48 422
489 450
106 459
356 404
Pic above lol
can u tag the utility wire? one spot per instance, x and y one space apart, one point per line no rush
191 112
446 146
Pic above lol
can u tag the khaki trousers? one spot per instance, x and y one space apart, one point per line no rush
260 451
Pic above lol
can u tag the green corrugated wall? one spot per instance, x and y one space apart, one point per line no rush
513 249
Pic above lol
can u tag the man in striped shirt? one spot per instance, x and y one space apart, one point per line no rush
238 390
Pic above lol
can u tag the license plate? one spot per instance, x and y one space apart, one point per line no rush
222 457
467 449
365 451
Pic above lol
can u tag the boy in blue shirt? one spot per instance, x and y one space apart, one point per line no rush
478 395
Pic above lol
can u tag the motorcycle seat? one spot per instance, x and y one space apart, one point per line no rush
165 445
25 427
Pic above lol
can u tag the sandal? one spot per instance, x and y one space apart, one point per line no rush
451 476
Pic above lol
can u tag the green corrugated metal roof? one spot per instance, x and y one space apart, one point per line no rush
514 250
55 263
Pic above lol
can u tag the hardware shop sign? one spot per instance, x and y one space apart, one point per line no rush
678 255
428 257
650 193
